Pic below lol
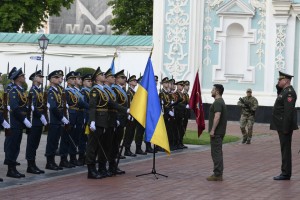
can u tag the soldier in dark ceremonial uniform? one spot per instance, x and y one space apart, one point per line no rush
85 91
284 121
166 102
70 139
111 138
18 119
131 124
3 122
122 100
180 113
57 119
11 83
187 100
38 121
98 117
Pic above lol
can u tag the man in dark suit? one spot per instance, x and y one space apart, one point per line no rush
284 121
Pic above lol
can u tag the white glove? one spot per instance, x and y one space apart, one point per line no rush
187 106
5 124
48 105
27 123
92 126
8 108
171 113
32 108
64 120
43 119
129 117
67 105
118 123
83 121
128 110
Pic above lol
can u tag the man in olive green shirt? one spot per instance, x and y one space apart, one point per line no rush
217 129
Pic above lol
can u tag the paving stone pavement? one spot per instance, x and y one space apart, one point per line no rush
248 174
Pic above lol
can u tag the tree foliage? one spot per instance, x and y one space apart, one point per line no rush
132 17
28 14
85 70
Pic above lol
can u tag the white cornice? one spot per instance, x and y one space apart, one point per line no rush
281 7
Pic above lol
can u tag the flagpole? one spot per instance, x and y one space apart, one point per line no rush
154 151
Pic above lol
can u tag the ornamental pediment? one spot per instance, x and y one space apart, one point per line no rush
236 7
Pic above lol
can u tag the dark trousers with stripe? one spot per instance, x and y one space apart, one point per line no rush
33 141
12 146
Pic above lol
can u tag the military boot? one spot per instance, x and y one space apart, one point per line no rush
244 140
51 165
12 172
92 172
81 160
244 132
149 149
248 141
139 150
73 160
102 170
112 168
129 153
64 162
31 168
215 178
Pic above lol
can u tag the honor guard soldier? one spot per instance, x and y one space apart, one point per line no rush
3 122
38 121
111 138
187 100
57 120
180 113
284 121
18 111
85 91
165 100
131 124
98 116
122 100
11 83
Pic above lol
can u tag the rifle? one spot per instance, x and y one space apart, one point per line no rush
247 106
64 102
5 113
244 102
29 110
45 100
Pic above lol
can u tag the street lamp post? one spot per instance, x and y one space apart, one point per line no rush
43 43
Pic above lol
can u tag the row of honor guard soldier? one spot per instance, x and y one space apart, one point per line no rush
68 127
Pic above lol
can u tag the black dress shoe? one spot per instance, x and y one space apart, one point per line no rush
65 164
93 175
122 157
281 177
32 170
140 152
119 171
52 166
22 175
38 169
13 174
129 153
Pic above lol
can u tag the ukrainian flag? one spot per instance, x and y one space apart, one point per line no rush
146 109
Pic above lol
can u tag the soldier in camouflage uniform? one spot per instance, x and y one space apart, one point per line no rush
249 105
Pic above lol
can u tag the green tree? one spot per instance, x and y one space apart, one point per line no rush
132 17
85 70
28 14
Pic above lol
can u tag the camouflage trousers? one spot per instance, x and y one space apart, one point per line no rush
247 121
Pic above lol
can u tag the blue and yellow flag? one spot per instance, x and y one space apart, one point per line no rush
146 109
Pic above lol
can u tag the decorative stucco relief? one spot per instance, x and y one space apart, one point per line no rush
260 5
280 46
177 23
211 5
